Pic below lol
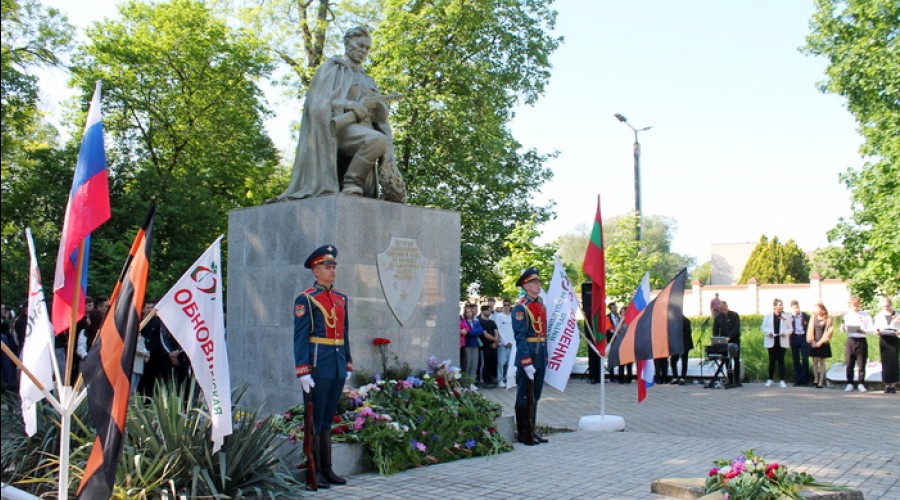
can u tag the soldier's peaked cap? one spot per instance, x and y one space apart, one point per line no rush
325 254
529 274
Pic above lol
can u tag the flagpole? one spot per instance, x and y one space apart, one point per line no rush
67 394
587 323
73 327
16 361
602 422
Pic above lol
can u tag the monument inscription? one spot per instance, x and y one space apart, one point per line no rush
401 270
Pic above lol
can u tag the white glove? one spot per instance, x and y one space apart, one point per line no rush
529 371
307 382
349 375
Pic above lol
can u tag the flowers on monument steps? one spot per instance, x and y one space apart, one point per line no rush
418 420
381 341
750 477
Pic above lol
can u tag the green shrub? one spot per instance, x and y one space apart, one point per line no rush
167 451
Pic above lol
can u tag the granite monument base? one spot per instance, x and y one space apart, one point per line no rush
399 265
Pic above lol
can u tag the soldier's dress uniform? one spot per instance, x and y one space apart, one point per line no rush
322 349
529 322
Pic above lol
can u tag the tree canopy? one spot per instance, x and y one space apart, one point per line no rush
523 253
461 66
185 117
772 262
860 40
32 36
627 259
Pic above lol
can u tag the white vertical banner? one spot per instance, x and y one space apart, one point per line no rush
37 353
193 312
563 339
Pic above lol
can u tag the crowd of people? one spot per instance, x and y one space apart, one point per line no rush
486 341
809 339
158 355
486 338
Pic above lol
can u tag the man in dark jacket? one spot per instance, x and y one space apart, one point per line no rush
728 324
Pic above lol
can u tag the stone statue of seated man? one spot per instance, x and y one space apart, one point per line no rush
345 132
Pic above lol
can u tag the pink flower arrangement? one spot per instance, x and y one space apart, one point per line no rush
750 477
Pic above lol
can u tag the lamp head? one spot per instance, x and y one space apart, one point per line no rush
621 118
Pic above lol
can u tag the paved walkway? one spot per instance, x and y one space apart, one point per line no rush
847 439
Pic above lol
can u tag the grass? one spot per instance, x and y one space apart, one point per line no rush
753 354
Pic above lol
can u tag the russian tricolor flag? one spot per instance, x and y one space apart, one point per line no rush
646 370
640 300
88 208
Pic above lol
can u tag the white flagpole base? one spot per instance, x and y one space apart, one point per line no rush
601 423
14 493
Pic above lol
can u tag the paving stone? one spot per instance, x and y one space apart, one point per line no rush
676 432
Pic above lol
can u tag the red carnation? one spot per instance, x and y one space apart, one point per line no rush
336 419
381 341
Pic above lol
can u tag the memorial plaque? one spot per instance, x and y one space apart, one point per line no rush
401 270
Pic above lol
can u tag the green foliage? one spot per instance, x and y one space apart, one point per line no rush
167 450
32 463
859 39
32 36
300 34
773 262
185 117
751 477
626 263
702 273
522 253
462 67
623 271
169 446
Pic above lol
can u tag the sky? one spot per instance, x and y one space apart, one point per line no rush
743 144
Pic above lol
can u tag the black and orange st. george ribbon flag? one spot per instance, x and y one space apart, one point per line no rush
595 267
109 364
657 331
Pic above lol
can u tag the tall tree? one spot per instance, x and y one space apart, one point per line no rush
33 36
185 117
301 32
655 249
523 252
860 40
462 66
626 263
773 262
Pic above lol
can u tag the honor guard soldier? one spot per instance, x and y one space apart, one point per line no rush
322 354
529 322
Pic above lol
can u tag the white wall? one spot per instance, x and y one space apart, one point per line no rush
757 299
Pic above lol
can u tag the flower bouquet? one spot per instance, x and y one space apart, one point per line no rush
411 422
750 477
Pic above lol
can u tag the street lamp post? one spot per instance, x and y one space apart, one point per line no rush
637 171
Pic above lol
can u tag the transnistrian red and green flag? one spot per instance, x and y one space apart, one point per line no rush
595 268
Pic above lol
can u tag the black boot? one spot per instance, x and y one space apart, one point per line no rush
321 482
537 437
523 434
325 452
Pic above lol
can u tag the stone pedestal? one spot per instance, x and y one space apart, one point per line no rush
399 264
